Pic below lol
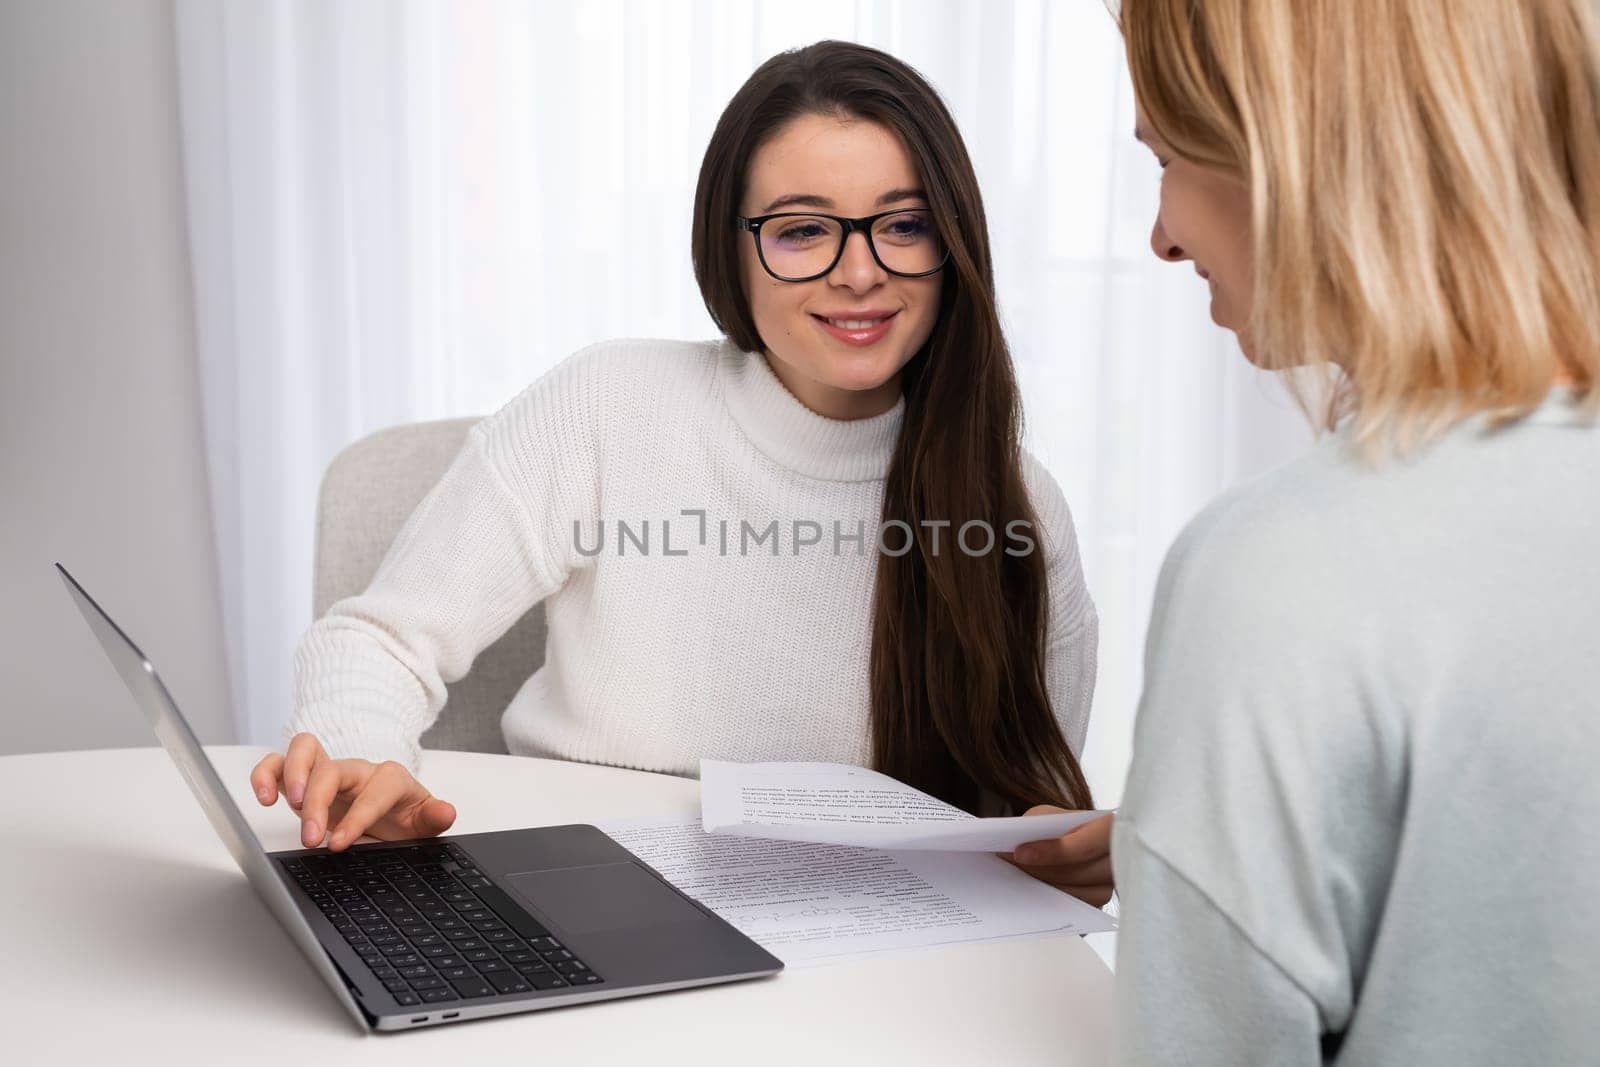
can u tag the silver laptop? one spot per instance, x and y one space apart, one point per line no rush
419 933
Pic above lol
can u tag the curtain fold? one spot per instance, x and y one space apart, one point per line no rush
405 211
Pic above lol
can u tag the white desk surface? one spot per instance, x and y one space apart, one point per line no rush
130 937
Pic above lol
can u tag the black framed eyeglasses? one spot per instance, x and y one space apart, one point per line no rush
802 247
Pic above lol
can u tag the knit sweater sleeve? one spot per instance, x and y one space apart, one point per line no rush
1073 630
492 538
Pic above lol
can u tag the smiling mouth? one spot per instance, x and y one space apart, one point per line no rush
855 324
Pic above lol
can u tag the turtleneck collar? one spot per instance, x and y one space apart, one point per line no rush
794 436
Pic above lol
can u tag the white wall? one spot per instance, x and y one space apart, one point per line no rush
101 464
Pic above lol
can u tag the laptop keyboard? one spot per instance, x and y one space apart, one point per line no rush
431 927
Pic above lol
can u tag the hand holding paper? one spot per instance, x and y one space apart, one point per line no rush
834 804
1078 862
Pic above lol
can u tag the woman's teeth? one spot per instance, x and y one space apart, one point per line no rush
854 324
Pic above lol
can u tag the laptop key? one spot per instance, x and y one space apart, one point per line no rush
429 982
407 998
501 934
547 980
532 968
490 966
512 913
431 951
521 955
434 996
407 960
586 978
447 961
509 982
396 985
453 973
416 970
472 987
470 945
478 955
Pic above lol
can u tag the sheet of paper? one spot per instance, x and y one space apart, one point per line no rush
809 903
835 804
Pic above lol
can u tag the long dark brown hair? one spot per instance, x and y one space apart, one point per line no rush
959 701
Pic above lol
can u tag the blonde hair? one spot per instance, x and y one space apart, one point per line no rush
1425 191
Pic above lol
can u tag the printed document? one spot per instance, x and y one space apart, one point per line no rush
835 804
810 903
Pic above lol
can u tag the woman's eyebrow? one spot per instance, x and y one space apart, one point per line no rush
813 200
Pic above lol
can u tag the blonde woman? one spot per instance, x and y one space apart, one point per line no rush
1363 820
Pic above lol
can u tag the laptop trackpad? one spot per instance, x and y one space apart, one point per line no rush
606 897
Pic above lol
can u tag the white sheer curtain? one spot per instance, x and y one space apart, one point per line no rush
404 211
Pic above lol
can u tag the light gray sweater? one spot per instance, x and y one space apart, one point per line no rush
1363 820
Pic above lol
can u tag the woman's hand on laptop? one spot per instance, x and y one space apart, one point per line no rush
1077 862
350 797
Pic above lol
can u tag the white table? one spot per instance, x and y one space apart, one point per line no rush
130 937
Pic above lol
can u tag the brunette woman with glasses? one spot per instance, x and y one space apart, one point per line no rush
869 569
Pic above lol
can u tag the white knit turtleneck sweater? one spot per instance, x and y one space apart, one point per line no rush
654 660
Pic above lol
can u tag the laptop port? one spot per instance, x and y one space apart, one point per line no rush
451 1015
420 1019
